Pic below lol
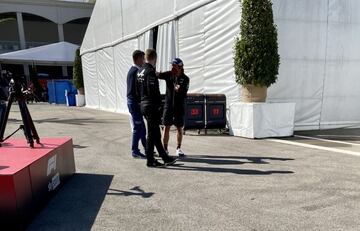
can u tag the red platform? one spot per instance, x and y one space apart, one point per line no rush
29 177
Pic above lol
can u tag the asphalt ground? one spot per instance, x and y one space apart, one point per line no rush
226 183
344 140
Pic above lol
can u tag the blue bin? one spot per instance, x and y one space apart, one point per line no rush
70 97
56 90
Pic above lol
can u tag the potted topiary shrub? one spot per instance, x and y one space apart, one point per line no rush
256 58
78 79
77 73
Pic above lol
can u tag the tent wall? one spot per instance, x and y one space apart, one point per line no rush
192 47
342 83
145 40
317 44
91 84
320 59
106 79
206 38
105 73
302 47
123 60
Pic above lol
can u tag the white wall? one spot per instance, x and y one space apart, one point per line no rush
105 74
317 43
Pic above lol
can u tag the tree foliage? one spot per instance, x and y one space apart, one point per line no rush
77 71
256 58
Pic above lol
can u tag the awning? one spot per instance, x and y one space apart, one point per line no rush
61 53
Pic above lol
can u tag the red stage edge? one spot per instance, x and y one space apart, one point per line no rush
30 177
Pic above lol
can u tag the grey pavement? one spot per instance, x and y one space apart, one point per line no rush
226 183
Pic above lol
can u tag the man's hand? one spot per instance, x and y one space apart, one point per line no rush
176 87
157 73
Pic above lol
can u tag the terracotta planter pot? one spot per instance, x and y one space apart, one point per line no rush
252 93
81 91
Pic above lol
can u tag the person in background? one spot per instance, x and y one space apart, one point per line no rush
133 102
4 94
148 84
177 86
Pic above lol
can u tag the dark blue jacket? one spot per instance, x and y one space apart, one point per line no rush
131 84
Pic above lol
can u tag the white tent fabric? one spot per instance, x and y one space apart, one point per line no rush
145 40
166 48
56 53
320 55
123 61
166 45
91 82
106 79
106 73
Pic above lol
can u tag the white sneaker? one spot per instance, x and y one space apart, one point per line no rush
180 153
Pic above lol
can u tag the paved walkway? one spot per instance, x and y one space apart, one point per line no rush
227 183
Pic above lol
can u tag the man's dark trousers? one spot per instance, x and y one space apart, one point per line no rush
138 126
153 118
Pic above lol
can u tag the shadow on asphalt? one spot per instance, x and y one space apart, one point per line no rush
73 121
228 160
79 146
136 191
76 205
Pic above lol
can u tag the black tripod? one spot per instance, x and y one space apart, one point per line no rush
17 94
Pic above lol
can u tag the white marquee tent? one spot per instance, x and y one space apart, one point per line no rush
318 43
61 53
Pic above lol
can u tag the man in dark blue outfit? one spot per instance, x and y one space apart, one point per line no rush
148 85
133 102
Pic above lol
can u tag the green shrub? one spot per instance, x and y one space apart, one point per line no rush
77 71
256 58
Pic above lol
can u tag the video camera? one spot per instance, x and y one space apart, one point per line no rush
18 92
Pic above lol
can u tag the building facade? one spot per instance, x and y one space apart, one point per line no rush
31 23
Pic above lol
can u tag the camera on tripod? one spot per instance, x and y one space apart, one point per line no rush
17 92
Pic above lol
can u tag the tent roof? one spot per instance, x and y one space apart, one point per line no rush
56 53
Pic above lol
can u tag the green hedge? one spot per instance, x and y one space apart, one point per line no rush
256 58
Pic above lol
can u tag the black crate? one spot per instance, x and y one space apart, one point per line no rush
195 112
215 111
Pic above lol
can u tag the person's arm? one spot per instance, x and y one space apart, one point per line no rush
184 87
135 88
132 82
165 75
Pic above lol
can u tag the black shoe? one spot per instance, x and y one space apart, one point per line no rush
170 161
154 164
138 155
